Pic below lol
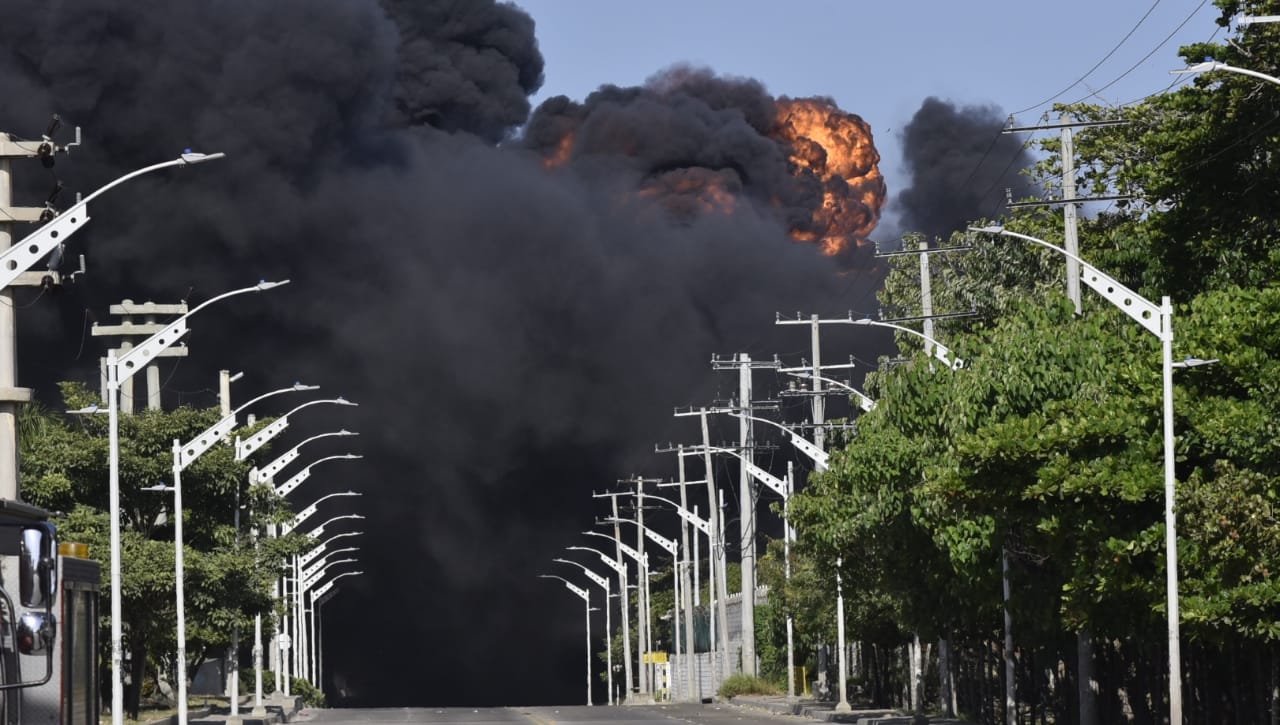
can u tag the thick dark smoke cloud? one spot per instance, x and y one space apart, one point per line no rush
516 337
959 166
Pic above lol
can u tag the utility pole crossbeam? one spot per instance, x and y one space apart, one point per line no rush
1069 201
130 329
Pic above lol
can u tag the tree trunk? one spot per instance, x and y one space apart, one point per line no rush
1086 680
137 671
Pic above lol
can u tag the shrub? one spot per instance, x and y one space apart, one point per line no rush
310 694
741 684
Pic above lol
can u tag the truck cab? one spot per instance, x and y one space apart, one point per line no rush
48 623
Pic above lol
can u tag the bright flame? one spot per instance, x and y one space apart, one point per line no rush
560 157
837 149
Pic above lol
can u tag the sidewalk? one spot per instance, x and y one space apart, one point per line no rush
825 711
279 709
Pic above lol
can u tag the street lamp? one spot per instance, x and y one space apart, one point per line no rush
620 569
287 487
304 630
1157 320
184 455
642 586
608 625
269 471
119 369
586 598
1210 64
940 351
257 440
307 512
310 555
37 245
672 547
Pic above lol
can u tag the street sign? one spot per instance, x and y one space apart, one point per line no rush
651 658
285 641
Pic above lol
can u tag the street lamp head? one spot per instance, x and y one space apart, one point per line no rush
864 321
343 401
193 157
1208 65
989 229
265 285
352 456
1193 362
345 432
157 487
300 387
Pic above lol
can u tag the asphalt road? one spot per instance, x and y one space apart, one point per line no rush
576 715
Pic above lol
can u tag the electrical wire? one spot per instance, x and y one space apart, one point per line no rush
1095 67
1146 57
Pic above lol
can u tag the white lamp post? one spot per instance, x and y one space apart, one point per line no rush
621 570
586 598
184 455
672 547
1157 320
642 584
603 583
296 642
305 647
119 369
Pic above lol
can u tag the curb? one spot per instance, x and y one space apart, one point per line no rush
825 712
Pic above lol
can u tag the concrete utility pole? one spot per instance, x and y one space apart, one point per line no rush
720 580
129 328
13 397
1069 200
746 503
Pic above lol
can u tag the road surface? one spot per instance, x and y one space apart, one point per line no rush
567 715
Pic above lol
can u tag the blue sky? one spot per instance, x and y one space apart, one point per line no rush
880 59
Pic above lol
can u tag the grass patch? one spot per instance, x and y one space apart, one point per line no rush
741 684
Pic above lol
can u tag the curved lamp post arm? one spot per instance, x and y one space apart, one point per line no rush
307 558
940 351
864 401
1212 65
191 450
257 440
586 596
698 522
288 486
820 458
311 570
134 360
778 485
23 255
318 531
637 556
306 513
320 591
619 569
269 471
599 580
669 545
308 582
1142 310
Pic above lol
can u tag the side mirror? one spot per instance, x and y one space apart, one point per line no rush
35 633
37 581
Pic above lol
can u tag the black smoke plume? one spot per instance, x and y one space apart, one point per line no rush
960 166
515 337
